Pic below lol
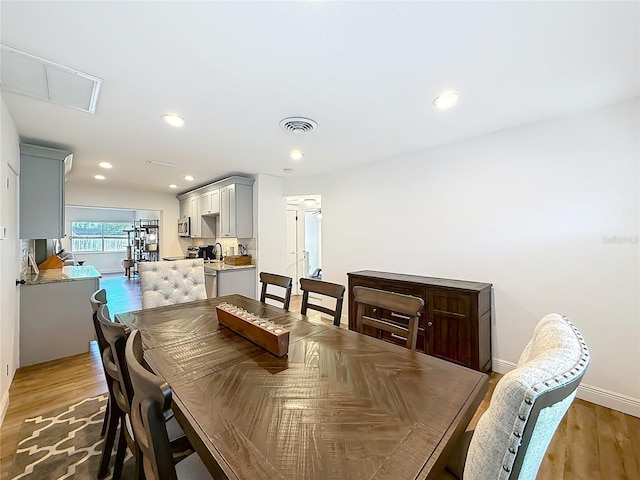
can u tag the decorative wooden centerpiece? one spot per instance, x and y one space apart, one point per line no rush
263 332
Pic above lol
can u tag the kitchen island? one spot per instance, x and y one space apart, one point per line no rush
233 279
55 313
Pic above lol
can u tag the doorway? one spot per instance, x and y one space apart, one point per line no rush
304 238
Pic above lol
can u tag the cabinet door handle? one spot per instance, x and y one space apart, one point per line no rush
429 324
375 310
397 315
398 337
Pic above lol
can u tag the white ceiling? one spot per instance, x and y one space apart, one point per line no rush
366 72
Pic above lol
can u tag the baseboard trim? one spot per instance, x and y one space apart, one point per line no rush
4 405
590 393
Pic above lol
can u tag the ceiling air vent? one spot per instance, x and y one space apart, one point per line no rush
298 125
35 77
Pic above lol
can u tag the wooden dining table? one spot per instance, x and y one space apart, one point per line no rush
340 405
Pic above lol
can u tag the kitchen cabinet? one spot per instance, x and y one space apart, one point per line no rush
194 213
42 192
210 203
237 280
53 314
201 226
236 211
455 324
226 205
185 208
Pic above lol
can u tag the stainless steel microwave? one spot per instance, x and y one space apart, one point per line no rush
184 227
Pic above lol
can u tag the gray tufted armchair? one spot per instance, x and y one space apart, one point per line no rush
168 283
527 405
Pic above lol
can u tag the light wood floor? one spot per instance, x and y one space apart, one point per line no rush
592 442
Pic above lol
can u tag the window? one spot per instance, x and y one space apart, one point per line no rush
99 236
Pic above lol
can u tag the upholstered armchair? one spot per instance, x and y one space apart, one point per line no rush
528 403
168 283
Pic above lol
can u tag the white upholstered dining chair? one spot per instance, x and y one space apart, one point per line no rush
527 405
168 283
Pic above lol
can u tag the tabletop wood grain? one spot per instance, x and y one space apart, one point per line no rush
340 405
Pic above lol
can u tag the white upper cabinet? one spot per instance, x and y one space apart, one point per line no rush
210 203
236 211
41 192
227 203
185 208
195 216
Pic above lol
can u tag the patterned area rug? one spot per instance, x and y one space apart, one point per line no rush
63 444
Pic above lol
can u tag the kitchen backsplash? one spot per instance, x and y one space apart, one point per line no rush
229 243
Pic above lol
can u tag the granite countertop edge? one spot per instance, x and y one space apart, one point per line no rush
65 274
222 268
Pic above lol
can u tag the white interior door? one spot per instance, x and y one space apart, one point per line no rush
292 249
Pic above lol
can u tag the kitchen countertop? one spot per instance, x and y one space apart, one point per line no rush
221 267
69 273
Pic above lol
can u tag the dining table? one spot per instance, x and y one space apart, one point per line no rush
339 405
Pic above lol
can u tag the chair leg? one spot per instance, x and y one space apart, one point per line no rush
139 469
112 427
122 450
106 418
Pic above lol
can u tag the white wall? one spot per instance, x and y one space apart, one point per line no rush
530 210
9 265
269 206
105 196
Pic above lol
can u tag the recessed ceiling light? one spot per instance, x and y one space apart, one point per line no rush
99 177
189 178
446 100
309 202
296 155
173 185
105 165
173 119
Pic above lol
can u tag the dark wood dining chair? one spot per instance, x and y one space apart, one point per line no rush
97 299
151 403
117 369
328 289
113 362
389 312
280 281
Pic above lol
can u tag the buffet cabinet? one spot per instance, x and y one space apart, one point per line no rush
455 324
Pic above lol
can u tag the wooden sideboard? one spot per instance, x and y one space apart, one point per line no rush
455 324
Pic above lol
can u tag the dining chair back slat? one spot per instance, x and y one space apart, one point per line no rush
280 281
328 289
407 306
